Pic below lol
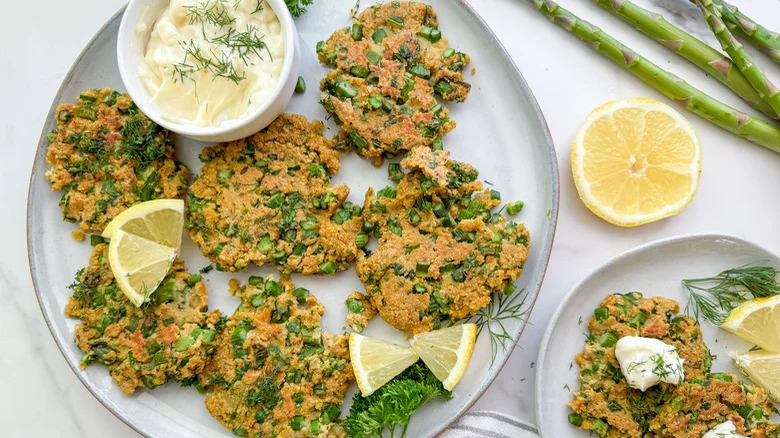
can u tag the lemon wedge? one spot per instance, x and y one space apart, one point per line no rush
636 161
761 367
375 362
758 322
446 352
160 221
139 265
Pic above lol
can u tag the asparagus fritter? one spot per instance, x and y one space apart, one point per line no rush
274 372
387 69
606 405
442 253
267 199
169 337
106 155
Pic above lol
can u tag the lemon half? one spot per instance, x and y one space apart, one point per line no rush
636 161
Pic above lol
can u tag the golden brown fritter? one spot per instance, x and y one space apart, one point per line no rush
360 310
106 155
267 199
442 253
387 69
169 337
274 372
606 405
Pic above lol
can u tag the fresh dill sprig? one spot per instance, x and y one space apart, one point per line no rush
504 307
715 297
211 11
243 43
297 7
217 65
258 7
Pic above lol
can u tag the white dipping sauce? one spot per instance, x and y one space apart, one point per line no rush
646 362
723 430
186 34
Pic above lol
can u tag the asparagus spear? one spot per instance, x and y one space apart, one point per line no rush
689 47
766 89
728 118
761 37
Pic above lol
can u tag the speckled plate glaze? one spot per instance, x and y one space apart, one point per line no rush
500 130
655 269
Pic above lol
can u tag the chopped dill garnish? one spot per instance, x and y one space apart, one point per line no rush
258 6
211 11
502 308
715 297
217 65
243 43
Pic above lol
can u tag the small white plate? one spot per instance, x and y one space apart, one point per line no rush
655 269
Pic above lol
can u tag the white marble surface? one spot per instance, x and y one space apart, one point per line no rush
739 193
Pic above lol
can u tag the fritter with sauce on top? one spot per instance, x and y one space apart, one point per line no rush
607 406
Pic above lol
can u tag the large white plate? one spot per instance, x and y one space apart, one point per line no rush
500 130
655 269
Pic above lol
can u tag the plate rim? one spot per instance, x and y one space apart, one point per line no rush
553 322
535 287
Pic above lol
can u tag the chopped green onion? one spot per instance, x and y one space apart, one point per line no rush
359 71
357 32
193 279
514 207
396 21
373 57
420 71
96 240
300 86
327 268
379 35
361 240
320 46
345 90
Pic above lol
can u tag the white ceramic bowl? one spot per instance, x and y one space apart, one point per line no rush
131 48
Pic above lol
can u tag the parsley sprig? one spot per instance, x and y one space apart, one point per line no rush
715 297
390 407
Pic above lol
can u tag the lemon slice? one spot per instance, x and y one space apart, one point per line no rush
161 221
758 322
446 352
762 368
375 362
138 264
636 161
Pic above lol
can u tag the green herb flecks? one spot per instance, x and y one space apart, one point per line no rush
391 407
715 297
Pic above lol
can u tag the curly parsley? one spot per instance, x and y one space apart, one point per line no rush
391 406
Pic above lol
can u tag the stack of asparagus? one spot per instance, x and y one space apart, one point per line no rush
737 70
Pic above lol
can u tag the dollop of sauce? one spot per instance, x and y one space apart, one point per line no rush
723 430
646 362
212 61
